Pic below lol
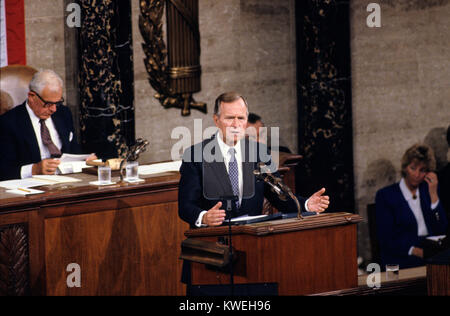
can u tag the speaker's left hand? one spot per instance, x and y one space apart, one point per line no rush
318 202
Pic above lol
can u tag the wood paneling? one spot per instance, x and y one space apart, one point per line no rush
130 251
125 238
301 261
438 279
14 264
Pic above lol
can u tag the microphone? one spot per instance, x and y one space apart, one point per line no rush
272 181
277 186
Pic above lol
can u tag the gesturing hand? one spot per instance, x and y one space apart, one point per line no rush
318 202
214 216
432 180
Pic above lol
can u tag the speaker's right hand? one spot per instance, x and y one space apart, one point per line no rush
214 216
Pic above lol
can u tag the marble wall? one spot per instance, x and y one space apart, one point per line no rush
44 29
50 44
248 46
400 88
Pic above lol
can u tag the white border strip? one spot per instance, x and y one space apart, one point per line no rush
3 41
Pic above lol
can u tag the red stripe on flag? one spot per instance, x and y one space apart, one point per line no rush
15 31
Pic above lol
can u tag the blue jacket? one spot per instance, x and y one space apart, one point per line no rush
18 143
397 226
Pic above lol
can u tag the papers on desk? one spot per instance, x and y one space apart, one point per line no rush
247 218
159 167
21 183
36 181
72 163
72 157
22 191
55 179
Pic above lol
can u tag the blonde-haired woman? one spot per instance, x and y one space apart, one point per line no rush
409 211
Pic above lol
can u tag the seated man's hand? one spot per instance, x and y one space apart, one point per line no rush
46 166
214 216
92 157
318 202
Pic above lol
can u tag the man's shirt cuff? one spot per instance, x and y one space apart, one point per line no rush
306 206
198 223
26 171
434 205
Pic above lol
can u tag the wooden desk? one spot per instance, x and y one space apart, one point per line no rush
411 281
125 238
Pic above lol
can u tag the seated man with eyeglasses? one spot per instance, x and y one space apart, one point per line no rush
34 134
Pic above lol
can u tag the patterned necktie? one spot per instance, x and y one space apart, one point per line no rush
233 173
47 140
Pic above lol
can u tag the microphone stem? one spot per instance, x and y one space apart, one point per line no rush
299 209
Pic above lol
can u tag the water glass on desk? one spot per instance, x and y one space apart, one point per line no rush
131 171
392 272
104 174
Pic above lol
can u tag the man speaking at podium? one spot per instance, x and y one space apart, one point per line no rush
223 166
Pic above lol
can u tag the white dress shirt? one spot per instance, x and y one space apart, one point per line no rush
26 171
224 149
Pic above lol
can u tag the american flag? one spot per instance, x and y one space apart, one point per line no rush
12 33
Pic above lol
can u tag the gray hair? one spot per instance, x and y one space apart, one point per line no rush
45 78
228 97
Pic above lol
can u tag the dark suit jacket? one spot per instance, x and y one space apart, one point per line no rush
18 142
397 226
444 186
204 182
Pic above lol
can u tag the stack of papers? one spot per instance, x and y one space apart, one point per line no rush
160 167
22 183
72 163
36 181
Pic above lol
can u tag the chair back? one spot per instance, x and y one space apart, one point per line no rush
14 81
374 244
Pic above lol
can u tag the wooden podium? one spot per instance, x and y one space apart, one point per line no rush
313 255
438 274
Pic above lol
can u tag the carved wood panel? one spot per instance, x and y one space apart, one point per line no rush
14 262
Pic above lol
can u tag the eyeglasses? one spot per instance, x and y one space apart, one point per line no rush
48 104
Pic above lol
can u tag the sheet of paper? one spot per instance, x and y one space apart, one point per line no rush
72 157
55 179
23 191
72 167
22 183
71 163
160 167
246 218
